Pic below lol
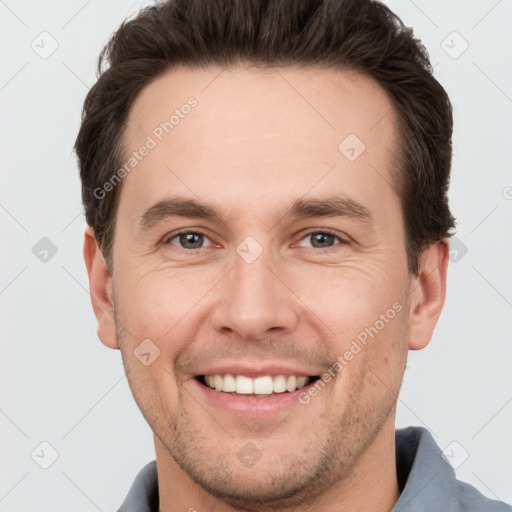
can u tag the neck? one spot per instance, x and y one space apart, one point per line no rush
371 484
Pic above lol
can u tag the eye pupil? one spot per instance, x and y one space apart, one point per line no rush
195 239
322 238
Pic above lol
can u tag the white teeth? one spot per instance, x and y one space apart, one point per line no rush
301 382
229 383
291 383
264 385
279 384
244 385
218 382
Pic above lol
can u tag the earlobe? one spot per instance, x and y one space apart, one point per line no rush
100 286
427 294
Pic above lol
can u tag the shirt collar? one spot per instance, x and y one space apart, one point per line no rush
424 476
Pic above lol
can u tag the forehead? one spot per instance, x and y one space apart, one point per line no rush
252 137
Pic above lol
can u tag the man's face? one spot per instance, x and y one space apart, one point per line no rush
263 290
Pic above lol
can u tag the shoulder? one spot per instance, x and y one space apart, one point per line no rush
472 500
143 494
428 482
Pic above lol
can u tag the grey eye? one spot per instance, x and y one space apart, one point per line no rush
189 240
322 239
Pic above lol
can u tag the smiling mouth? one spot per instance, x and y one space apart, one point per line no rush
264 386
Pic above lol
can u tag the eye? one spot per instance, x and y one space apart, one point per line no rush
323 239
189 240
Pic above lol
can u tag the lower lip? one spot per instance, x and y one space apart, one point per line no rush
252 406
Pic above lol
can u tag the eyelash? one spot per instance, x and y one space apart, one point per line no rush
312 232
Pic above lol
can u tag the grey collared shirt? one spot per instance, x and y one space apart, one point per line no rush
427 482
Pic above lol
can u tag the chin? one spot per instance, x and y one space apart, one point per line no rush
246 480
250 488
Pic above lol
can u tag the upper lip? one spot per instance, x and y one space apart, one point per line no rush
256 370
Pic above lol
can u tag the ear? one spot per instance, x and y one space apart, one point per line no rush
100 286
427 294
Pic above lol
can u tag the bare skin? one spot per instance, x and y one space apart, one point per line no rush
250 148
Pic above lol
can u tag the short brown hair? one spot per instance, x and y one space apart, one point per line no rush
363 35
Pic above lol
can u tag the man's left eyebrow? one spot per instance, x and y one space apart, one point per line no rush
331 206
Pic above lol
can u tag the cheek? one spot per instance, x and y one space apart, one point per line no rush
363 314
348 299
147 360
157 302
159 314
371 357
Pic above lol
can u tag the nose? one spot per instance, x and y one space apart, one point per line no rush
255 300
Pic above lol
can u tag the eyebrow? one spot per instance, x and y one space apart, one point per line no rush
332 206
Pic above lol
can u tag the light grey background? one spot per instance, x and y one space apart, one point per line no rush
60 385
